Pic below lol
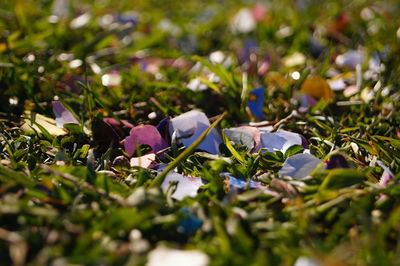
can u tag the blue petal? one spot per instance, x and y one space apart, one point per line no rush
256 102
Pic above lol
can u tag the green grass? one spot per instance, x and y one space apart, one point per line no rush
64 200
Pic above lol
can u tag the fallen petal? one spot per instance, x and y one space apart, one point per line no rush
299 165
144 134
256 102
280 140
243 21
63 115
317 87
175 257
387 174
195 122
187 186
241 136
144 161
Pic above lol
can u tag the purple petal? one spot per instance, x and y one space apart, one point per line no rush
144 134
299 165
187 186
195 122
63 115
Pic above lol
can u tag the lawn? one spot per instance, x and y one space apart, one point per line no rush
199 132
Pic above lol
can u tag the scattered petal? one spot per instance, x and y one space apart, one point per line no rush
350 59
144 134
243 21
236 184
256 102
80 21
387 174
63 115
175 257
293 60
259 12
45 122
299 165
112 79
241 136
351 90
306 101
187 186
196 85
317 87
280 140
189 224
195 122
305 261
144 161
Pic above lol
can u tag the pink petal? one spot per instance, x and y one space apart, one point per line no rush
144 134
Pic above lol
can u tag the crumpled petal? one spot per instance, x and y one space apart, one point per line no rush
387 174
187 186
63 115
281 140
299 165
144 134
195 122
256 102
175 257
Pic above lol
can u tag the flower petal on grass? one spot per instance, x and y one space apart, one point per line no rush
317 87
241 136
238 184
144 134
280 140
387 174
195 123
256 102
299 165
187 186
63 115
175 257
144 161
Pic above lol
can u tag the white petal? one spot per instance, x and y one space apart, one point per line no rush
174 257
299 165
243 21
187 186
185 123
280 140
